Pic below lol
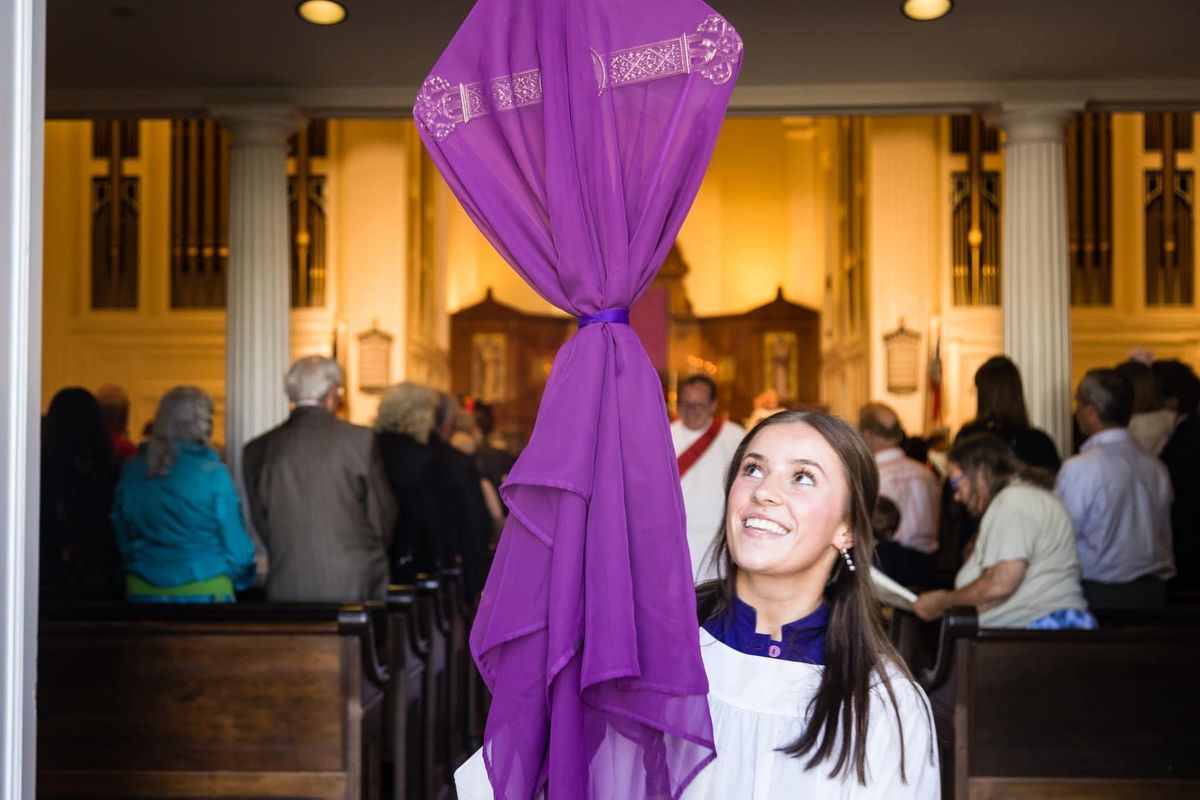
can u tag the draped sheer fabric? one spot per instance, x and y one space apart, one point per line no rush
575 133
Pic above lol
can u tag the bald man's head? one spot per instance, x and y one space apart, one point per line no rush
880 426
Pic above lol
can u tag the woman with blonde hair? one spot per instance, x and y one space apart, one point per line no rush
177 514
405 421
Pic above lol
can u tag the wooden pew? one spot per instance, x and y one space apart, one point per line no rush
212 701
1112 713
407 653
458 662
473 692
435 763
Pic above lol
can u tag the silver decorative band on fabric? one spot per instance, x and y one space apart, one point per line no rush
711 52
613 316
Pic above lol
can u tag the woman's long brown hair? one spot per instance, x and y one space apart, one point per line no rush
857 651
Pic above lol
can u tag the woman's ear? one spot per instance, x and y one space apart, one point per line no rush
844 538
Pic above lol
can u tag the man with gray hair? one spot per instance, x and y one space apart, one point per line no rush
912 486
1119 498
319 497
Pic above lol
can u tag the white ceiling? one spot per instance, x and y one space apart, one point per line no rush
175 53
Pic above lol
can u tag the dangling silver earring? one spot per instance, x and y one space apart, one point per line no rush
846 557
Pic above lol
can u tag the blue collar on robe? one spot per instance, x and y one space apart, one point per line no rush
803 640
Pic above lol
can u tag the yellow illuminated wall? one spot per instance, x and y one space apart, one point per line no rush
757 224
475 266
757 221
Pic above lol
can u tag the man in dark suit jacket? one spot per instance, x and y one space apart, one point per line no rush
319 497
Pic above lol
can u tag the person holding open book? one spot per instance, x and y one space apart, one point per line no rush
1022 570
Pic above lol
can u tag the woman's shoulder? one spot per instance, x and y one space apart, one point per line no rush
1032 436
1026 500
202 463
1035 447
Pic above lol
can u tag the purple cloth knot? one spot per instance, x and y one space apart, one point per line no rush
613 316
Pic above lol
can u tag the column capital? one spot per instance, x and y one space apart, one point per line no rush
1035 122
261 125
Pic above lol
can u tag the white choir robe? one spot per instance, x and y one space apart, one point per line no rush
758 706
704 489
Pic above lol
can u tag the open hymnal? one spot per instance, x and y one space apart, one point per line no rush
891 592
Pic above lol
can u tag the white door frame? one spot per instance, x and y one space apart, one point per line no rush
22 113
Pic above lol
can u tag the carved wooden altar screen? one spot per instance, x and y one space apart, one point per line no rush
502 356
775 346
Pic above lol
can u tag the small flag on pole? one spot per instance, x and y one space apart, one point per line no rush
935 384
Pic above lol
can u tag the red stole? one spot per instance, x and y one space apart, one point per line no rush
689 457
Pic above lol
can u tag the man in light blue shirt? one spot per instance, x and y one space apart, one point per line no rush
1119 499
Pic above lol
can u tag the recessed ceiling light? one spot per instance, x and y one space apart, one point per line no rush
321 12
926 10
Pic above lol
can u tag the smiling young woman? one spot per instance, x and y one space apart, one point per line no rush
807 696
844 714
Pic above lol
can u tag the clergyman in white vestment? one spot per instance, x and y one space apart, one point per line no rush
704 445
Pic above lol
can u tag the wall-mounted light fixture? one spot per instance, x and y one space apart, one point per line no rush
926 10
321 12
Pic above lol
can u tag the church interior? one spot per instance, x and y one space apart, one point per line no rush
890 203
883 233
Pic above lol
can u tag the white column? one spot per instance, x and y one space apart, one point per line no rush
258 298
1035 283
22 93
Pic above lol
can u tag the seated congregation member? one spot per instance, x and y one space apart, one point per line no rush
79 555
704 442
319 497
1119 498
1151 423
1000 410
885 521
467 439
495 462
808 698
1022 570
1181 456
457 488
177 512
114 407
422 541
913 488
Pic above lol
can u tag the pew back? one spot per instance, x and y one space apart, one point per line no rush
185 701
1110 713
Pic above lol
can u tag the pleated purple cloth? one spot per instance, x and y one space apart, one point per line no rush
575 133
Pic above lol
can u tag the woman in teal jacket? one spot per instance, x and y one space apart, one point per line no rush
177 514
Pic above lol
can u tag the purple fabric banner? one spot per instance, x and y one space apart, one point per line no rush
576 133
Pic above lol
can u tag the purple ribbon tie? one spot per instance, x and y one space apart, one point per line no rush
613 316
